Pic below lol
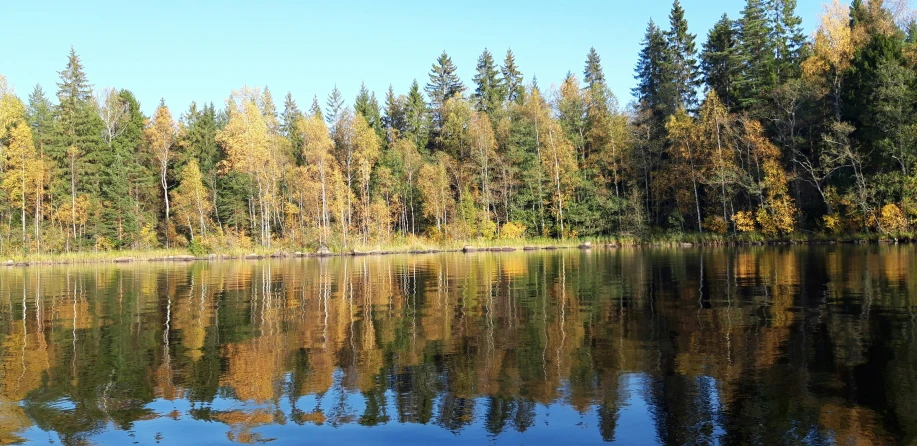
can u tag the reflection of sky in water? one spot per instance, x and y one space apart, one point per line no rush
557 424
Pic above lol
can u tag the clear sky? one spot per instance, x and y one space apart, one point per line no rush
194 50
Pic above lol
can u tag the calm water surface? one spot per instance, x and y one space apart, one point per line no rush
794 345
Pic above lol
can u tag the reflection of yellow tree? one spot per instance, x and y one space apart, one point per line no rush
23 363
255 368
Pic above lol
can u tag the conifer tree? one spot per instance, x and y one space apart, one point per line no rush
290 114
651 69
489 93
416 117
512 78
367 106
77 136
682 61
121 171
755 56
394 116
315 109
334 108
443 85
718 60
788 38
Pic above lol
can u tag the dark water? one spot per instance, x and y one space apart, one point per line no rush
795 345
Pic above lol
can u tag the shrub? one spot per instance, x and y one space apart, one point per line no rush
716 225
744 221
512 230
892 219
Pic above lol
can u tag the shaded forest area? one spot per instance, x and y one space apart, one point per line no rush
757 132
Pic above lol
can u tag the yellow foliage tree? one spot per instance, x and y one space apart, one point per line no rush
160 136
892 219
316 152
192 199
832 50
247 141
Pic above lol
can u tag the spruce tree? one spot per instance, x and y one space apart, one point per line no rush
755 56
120 173
718 60
288 118
512 78
393 119
290 114
77 137
315 109
367 106
593 75
788 38
334 107
416 117
443 85
489 93
682 61
650 69
40 115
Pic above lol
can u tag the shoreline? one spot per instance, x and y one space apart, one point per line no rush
521 245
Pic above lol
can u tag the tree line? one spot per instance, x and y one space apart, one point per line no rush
758 130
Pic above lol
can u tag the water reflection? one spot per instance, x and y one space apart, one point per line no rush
809 345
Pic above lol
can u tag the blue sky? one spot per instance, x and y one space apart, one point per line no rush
201 50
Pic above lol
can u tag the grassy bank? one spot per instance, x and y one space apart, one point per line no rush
422 245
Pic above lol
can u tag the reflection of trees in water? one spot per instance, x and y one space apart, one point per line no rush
768 345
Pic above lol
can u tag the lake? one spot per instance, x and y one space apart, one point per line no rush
758 345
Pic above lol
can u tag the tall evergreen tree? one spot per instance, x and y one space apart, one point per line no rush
121 174
650 71
682 61
489 92
290 114
788 38
718 60
315 109
416 117
334 108
77 138
512 78
443 84
393 119
755 56
40 115
367 106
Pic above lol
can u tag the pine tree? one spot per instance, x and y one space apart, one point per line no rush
718 60
512 78
490 92
682 61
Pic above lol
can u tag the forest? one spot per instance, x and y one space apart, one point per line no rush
757 132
